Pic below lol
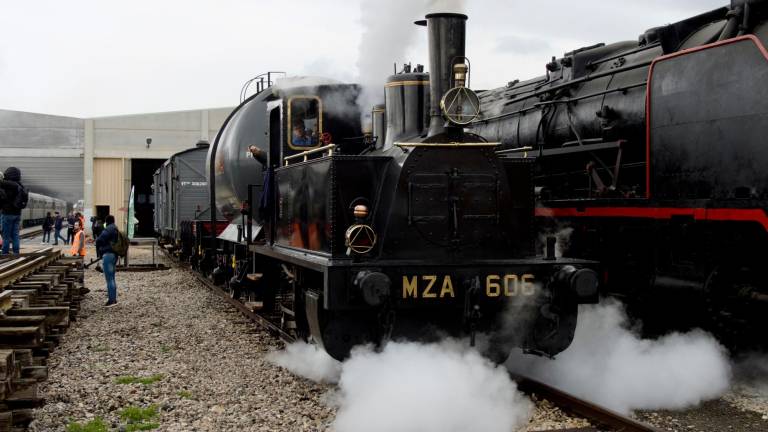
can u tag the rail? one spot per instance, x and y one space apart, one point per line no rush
31 232
305 154
14 269
595 413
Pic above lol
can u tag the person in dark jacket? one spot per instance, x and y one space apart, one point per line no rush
97 226
58 223
11 219
109 258
71 219
2 191
47 227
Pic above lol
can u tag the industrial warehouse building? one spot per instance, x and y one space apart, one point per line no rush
92 163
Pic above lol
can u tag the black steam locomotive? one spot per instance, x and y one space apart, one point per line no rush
650 152
414 231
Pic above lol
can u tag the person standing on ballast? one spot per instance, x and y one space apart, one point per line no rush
109 258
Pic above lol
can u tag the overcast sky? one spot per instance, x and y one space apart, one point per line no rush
95 58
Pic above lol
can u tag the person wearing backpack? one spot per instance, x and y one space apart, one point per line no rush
104 249
15 201
71 219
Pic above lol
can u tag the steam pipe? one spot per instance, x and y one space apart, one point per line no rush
732 25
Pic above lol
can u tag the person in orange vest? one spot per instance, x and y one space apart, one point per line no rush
81 218
78 244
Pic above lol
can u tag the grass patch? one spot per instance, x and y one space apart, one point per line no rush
139 419
128 379
132 427
184 394
165 349
95 425
100 348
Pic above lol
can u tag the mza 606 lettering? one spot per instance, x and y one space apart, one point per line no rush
413 231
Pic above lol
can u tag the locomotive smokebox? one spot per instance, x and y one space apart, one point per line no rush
447 34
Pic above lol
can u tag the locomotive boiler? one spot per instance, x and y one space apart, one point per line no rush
651 152
418 231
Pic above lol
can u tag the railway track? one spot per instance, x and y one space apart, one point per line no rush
40 294
16 267
600 416
31 232
603 418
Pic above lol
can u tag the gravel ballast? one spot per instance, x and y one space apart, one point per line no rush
172 344
206 362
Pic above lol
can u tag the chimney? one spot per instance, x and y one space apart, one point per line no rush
447 33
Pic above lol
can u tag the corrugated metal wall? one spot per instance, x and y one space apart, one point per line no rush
59 177
39 131
109 187
47 149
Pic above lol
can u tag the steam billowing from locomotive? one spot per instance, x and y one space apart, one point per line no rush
612 366
386 39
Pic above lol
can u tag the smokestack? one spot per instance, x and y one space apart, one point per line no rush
447 32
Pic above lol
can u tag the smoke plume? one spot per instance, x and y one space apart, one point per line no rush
433 387
388 33
440 387
308 361
562 236
609 365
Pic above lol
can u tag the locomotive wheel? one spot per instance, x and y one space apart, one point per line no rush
343 331
735 316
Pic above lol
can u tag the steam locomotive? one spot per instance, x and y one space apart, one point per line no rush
414 231
651 152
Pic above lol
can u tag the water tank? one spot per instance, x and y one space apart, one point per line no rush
234 168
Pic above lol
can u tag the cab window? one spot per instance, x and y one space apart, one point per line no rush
305 122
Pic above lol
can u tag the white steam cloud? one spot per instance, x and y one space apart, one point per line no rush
611 366
388 32
441 387
562 236
308 361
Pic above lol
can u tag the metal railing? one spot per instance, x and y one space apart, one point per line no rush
305 154
263 82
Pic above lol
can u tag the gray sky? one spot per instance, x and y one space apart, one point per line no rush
94 57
